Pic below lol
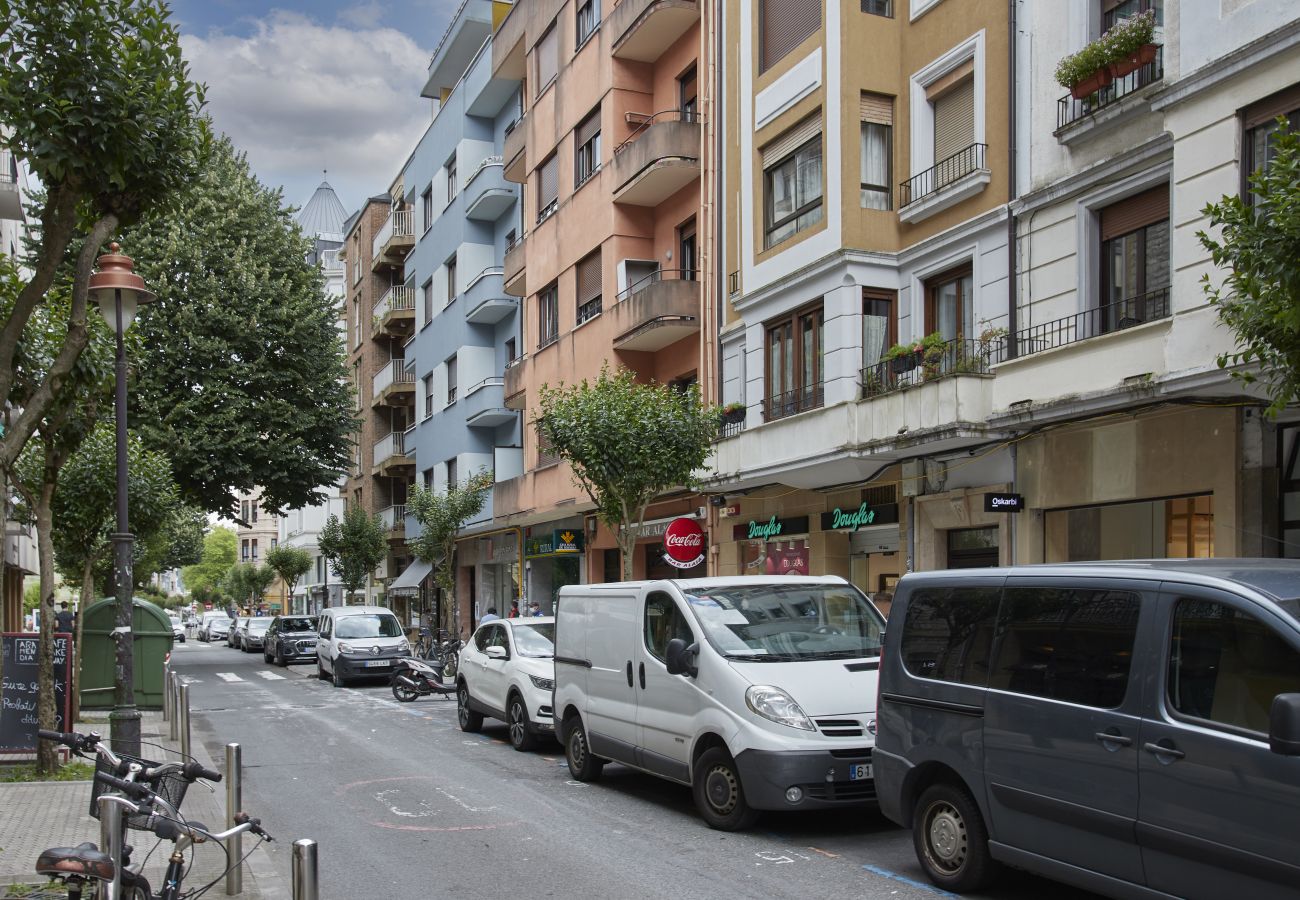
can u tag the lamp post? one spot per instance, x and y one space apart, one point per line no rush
119 293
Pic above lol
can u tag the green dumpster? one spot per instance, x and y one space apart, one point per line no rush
153 641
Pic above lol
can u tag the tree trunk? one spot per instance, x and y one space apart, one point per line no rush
87 598
46 707
627 547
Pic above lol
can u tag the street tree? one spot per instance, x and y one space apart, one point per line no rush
441 517
627 443
246 378
96 99
219 552
354 545
1259 298
249 582
177 542
290 563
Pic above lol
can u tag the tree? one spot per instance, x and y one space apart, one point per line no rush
354 546
246 383
96 99
219 554
248 582
1260 295
177 542
441 516
290 563
627 443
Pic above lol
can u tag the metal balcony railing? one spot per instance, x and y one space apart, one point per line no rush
956 357
648 121
8 168
658 275
943 173
799 400
393 373
400 223
1090 323
389 446
397 297
394 517
1070 110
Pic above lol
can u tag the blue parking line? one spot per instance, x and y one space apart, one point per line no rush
910 882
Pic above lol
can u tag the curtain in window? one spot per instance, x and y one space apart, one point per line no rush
875 331
875 166
809 175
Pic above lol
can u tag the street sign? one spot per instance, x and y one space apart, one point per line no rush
1004 503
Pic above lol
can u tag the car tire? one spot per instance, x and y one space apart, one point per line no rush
719 795
279 659
320 669
951 841
469 720
336 677
583 764
521 730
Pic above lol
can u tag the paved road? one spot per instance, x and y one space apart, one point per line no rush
403 804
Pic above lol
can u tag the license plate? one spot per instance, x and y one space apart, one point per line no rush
378 663
860 772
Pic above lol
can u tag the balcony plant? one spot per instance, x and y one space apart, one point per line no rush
934 350
732 413
902 358
1123 49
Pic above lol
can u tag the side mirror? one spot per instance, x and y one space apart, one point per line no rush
680 658
498 653
1284 725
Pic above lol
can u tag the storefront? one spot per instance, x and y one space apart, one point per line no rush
490 570
554 555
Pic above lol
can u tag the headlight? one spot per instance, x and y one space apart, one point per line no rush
403 647
345 648
775 704
542 684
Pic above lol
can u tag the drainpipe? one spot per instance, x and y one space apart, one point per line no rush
719 162
1012 274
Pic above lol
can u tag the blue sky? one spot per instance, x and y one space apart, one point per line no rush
304 86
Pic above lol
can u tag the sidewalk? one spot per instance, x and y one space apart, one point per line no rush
38 815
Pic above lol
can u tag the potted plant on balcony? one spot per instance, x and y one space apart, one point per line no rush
1085 72
1123 49
903 358
732 413
934 349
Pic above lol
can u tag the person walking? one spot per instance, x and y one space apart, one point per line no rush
64 621
489 616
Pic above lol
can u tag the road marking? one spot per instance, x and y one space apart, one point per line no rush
462 804
271 676
825 853
229 676
910 882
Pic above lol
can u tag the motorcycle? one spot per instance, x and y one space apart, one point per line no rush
413 678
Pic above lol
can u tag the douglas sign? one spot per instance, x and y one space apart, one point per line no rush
683 544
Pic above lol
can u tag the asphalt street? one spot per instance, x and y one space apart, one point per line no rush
403 804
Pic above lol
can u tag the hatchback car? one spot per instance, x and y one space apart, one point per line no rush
507 672
178 629
290 639
217 629
254 634
237 631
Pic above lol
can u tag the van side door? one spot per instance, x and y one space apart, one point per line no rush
1062 719
611 695
667 705
1218 808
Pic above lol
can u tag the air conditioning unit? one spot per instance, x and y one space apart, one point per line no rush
913 479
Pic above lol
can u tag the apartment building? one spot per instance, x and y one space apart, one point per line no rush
256 533
301 528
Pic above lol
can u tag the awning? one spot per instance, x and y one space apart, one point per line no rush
409 581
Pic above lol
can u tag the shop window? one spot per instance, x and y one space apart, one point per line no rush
1180 527
794 363
972 548
789 557
656 567
546 58
664 622
948 635
1262 128
1226 666
879 325
1069 645
589 293
1289 501
950 304
586 141
548 316
1135 260
1189 527
792 184
877 114
783 26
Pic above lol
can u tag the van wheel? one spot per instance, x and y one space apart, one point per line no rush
468 720
582 764
521 738
718 792
337 676
951 841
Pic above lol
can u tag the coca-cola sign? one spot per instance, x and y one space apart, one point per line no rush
683 543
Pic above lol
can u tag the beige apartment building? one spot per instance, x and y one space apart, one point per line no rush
256 534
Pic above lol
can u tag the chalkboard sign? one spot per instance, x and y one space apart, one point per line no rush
19 679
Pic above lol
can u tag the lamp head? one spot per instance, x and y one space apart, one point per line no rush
115 273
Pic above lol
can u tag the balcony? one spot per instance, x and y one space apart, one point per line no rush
512 273
487 196
394 314
947 182
390 454
1104 105
469 28
790 403
11 206
659 158
485 298
956 357
656 311
1090 323
394 519
484 404
515 383
644 29
394 240
514 160
394 385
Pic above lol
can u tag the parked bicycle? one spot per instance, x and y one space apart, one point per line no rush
442 651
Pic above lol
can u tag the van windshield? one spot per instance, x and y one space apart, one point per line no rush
368 627
789 622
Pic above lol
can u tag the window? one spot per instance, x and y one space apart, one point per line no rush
356 382
243 550
546 456
1261 125
451 381
426 300
688 94
427 382
426 478
794 363
687 252
546 58
451 472
972 548
244 511
1115 11
275 542
1135 260
253 546
548 187
664 621
588 18
586 141
793 189
512 352
1288 505
548 316
1226 666
879 7
879 331
356 323
426 207
252 507
948 634
877 112
783 26
952 100
949 305
1069 645
589 295
453 184
451 279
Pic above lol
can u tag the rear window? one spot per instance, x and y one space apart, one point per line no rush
298 624
368 626
948 633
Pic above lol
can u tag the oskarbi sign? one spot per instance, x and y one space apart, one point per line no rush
1004 503
683 544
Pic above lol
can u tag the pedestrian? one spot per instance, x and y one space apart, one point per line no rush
64 621
534 610
489 616
514 610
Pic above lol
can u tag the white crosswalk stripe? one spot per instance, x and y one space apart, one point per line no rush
229 676
271 676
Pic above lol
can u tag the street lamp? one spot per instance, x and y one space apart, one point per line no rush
120 293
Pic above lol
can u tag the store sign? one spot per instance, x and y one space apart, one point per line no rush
683 543
853 519
770 529
1004 503
562 542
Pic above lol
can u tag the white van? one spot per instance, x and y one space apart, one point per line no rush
759 693
355 641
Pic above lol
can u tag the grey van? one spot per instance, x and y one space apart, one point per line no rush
1132 728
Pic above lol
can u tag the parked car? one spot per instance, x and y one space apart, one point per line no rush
208 617
237 631
219 629
178 628
254 634
1132 728
507 672
355 641
758 692
290 639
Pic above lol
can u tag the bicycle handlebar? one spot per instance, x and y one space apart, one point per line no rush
193 771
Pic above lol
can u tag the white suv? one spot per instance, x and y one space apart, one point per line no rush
507 671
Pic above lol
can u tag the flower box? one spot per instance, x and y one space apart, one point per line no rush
901 365
1092 84
1134 61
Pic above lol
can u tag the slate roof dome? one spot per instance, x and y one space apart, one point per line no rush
324 215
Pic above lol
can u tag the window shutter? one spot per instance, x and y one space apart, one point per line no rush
786 24
589 278
587 128
876 108
548 57
792 140
954 120
548 183
1268 109
1135 212
950 80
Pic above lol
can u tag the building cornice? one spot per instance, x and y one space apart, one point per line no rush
1157 150
1238 62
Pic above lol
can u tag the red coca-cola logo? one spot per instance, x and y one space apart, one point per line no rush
684 543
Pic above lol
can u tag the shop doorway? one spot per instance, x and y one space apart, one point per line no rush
973 548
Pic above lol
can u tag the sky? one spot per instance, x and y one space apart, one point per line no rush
308 86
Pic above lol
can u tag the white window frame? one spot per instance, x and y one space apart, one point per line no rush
922 111
918 8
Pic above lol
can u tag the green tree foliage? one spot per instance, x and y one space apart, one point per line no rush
290 563
219 546
245 381
441 516
249 582
1259 298
627 443
96 99
178 542
354 545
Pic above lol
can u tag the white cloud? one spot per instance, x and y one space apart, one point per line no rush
299 97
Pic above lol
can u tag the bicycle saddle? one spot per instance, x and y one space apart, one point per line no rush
84 860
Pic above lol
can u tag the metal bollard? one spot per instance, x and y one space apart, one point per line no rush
306 885
183 713
234 801
167 691
110 838
174 691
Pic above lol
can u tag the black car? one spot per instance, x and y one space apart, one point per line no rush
290 639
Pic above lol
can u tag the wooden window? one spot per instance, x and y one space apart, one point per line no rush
589 294
548 316
546 55
879 325
548 187
1262 128
784 25
792 182
794 363
1135 269
877 114
586 142
949 307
